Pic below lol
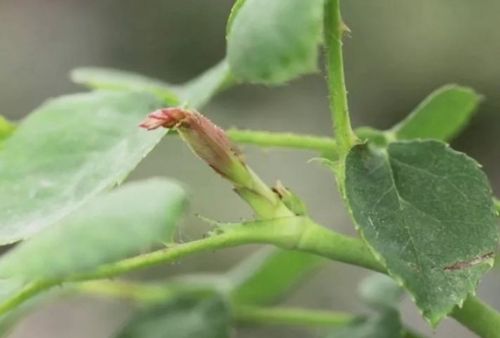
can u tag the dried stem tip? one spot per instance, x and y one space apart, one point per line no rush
206 139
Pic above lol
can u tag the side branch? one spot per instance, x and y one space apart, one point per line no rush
295 233
283 140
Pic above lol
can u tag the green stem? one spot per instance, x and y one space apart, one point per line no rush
174 253
242 313
27 292
479 318
127 290
149 293
334 29
497 204
283 140
318 240
289 233
286 233
291 316
245 314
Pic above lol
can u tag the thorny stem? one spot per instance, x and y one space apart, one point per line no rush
297 233
301 235
334 30
287 233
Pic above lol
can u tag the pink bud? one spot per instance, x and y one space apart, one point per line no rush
206 139
167 118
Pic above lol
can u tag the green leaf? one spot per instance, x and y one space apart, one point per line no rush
181 318
195 93
442 115
385 325
269 274
6 129
111 227
272 42
67 152
234 11
427 213
118 80
380 291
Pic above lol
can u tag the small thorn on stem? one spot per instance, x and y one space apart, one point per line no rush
345 29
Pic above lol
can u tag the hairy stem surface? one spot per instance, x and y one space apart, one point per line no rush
334 30
302 235
283 140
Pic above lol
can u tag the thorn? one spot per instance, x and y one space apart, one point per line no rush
345 29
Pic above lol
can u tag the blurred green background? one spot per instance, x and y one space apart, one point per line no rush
398 52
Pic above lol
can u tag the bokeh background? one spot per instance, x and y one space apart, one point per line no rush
398 52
